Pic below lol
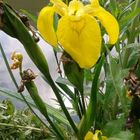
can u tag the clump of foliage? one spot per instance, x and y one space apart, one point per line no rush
20 124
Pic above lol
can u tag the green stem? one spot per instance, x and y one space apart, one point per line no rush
83 102
58 65
78 111
78 104
16 85
79 100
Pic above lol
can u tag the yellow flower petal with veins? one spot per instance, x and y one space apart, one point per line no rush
45 25
81 39
75 8
60 7
107 20
78 31
109 23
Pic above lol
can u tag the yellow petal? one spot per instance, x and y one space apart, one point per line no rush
81 39
95 3
75 8
60 7
89 136
97 132
109 22
91 8
45 25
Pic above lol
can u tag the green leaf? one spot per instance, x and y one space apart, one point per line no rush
113 127
123 135
89 118
128 19
115 86
63 81
113 7
126 9
30 16
114 138
74 74
133 51
32 89
63 85
10 107
51 111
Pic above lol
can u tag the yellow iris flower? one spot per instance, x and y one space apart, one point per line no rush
78 31
91 136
